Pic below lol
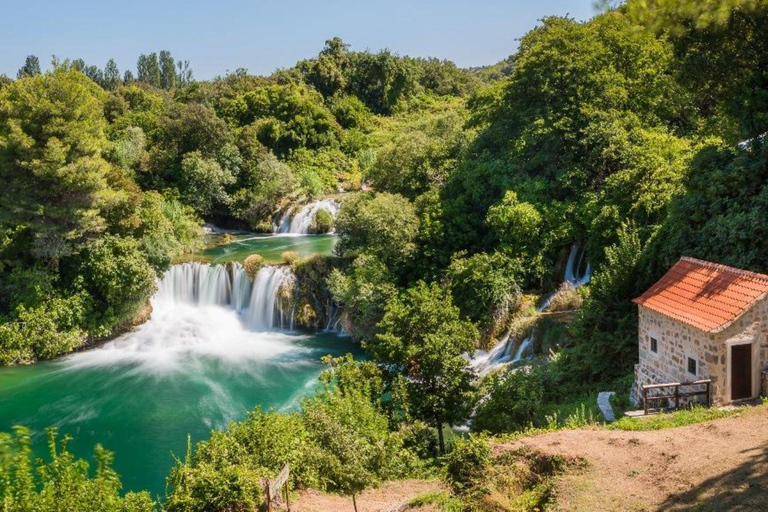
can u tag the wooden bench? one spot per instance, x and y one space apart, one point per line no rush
677 394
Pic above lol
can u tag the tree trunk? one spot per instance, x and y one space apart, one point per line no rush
354 502
440 437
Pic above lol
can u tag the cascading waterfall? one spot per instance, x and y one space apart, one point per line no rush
483 362
266 309
198 284
573 273
300 222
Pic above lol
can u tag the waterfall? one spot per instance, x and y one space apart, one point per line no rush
300 222
200 284
265 311
501 353
573 266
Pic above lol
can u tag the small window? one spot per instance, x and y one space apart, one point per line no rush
654 345
692 366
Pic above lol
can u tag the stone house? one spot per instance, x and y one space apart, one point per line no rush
703 320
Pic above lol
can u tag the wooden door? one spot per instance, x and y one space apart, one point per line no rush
741 371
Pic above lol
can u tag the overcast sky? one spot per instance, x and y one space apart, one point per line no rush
221 36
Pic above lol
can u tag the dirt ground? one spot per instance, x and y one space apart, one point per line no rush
387 497
719 465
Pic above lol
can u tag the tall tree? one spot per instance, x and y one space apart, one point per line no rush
111 75
168 77
184 73
31 67
424 339
148 68
51 165
128 77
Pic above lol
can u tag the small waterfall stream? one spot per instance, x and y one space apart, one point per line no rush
299 223
483 362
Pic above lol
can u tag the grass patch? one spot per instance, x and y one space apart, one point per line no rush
673 419
441 500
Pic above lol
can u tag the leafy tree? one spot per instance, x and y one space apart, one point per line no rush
423 337
168 76
148 68
352 440
485 289
111 76
384 225
31 67
117 275
420 156
202 182
382 80
260 189
51 143
168 230
128 77
363 293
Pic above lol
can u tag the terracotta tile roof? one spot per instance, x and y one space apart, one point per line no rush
705 295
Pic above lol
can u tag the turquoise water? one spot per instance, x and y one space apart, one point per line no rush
270 247
141 402
196 365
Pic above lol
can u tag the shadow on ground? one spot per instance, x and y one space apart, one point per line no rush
744 488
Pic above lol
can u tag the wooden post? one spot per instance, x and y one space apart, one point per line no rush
709 400
269 498
287 496
645 400
677 397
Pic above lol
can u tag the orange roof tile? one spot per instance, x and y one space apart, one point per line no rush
705 295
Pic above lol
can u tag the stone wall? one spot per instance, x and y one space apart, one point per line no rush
677 341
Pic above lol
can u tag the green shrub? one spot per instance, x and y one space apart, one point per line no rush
467 462
322 222
63 482
515 397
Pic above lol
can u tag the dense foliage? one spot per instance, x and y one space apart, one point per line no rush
637 136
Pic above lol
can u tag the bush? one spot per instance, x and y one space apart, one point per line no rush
567 298
252 265
484 287
467 462
118 277
514 399
290 257
322 222
64 482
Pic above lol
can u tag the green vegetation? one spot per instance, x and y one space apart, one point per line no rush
63 482
465 190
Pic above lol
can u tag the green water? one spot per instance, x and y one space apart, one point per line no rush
269 246
141 402
141 395
189 369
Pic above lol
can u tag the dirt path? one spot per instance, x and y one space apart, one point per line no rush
720 465
386 497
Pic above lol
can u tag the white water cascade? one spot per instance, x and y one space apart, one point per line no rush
502 353
198 284
298 223
203 311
